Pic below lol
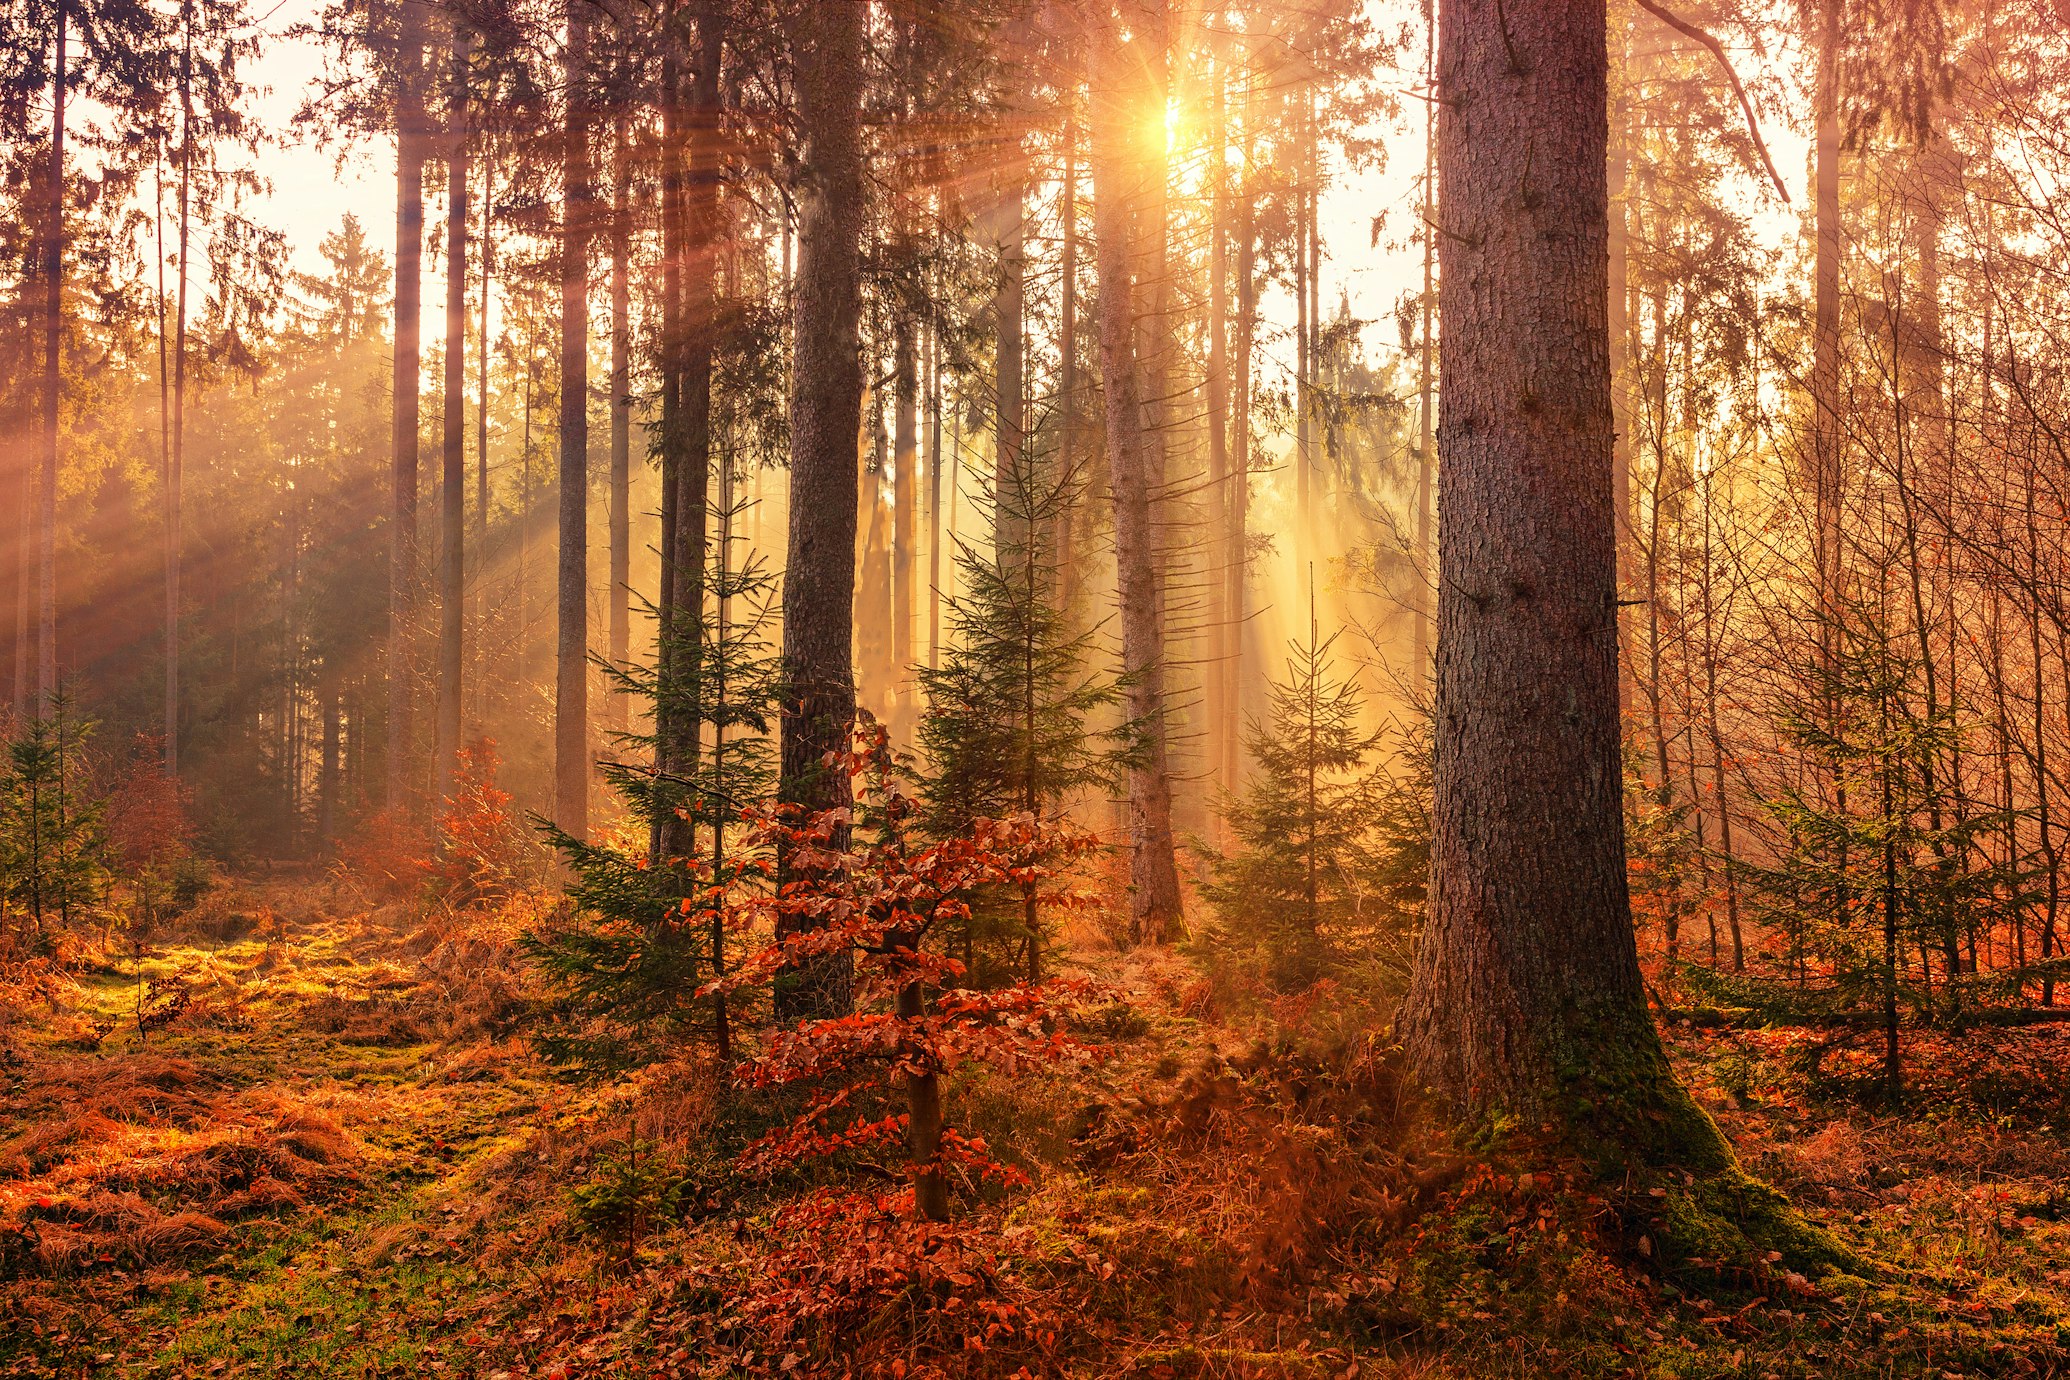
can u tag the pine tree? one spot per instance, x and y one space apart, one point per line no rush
1328 856
1008 725
1873 863
53 846
641 936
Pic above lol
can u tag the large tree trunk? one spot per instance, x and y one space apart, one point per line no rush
571 664
1154 903
826 417
1526 995
453 482
402 511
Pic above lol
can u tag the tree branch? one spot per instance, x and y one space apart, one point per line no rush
1684 27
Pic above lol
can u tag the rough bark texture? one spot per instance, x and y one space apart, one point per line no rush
571 669
402 511
1527 982
1154 903
453 491
826 418
53 343
620 601
176 456
905 458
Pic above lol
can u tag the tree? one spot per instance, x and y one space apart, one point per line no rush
571 747
1156 911
1526 999
453 475
1312 878
412 138
1006 730
826 416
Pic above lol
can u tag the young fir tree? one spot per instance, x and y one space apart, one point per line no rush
643 935
53 846
1328 844
1876 865
1008 728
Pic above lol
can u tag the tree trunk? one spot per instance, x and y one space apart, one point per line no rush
1426 356
1154 902
453 490
1526 996
176 457
620 602
571 663
1222 720
827 41
53 344
905 456
402 511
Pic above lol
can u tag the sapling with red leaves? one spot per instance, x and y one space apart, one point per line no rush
873 883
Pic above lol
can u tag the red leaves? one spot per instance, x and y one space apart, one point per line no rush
866 882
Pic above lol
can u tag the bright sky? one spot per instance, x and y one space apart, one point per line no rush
313 188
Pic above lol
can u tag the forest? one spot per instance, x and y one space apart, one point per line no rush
1035 688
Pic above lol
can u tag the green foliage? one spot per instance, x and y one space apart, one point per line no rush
53 846
1332 843
644 928
1876 859
1010 725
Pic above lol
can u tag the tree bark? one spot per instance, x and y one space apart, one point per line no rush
176 454
620 602
402 511
827 41
53 345
453 489
1155 908
1526 995
571 678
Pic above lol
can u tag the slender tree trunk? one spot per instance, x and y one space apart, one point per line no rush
1526 994
1240 448
481 436
1067 359
934 499
1426 358
620 602
1825 360
690 442
571 678
1620 330
453 482
410 136
176 460
53 344
1222 721
1118 190
905 456
826 415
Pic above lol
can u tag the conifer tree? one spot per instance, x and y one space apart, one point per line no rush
53 846
1008 726
643 935
1872 866
1313 870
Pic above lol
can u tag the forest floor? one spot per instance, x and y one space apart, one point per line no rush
306 1136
